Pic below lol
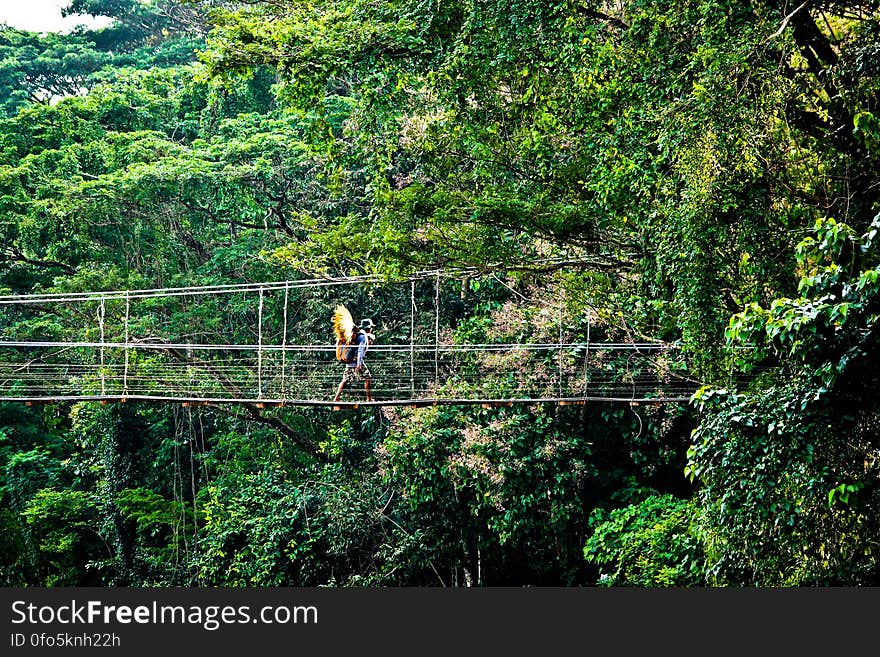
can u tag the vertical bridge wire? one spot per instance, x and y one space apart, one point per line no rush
412 333
587 359
436 334
284 344
559 345
127 338
260 348
101 313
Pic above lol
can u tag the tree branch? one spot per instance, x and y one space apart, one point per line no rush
14 255
785 22
606 18
252 409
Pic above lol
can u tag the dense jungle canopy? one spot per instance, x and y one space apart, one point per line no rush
701 172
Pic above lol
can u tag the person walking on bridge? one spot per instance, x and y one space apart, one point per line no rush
352 350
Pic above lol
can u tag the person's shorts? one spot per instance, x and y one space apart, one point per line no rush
352 374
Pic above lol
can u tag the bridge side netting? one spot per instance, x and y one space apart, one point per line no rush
273 342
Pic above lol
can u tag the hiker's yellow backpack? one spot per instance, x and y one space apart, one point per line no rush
343 328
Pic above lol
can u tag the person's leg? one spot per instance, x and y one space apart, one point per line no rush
339 389
365 372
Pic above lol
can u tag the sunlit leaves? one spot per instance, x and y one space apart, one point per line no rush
653 543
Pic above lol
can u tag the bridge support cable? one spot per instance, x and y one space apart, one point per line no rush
260 347
101 313
587 359
437 332
412 338
559 346
126 342
284 344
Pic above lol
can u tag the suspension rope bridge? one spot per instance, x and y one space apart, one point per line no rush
162 345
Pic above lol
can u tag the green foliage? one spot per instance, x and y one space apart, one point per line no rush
510 132
830 324
37 69
669 157
790 496
268 524
42 68
496 491
774 512
63 523
654 543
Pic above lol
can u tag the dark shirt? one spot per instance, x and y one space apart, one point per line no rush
362 342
